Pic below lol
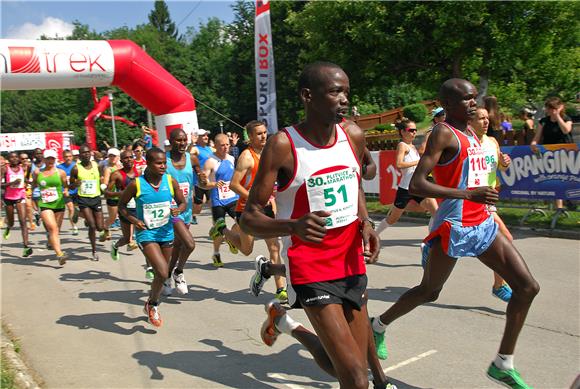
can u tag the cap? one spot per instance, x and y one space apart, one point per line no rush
166 142
75 152
113 151
437 112
50 153
201 131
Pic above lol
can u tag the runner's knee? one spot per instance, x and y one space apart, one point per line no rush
429 295
528 291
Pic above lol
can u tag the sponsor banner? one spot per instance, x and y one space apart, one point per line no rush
552 173
264 61
372 186
187 121
389 176
48 64
25 141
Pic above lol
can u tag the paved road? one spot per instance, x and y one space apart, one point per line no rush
82 325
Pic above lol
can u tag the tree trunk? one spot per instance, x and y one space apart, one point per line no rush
483 85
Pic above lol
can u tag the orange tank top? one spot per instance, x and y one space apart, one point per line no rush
248 180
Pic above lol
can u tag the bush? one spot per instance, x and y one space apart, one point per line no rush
384 127
415 112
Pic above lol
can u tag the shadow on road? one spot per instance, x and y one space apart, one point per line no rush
392 293
36 260
95 275
401 243
106 322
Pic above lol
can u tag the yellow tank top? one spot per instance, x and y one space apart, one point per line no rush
90 180
491 154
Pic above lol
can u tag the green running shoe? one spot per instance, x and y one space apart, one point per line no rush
380 344
149 273
114 252
6 233
233 249
27 252
217 228
281 295
509 378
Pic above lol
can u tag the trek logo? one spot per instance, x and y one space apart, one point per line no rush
24 60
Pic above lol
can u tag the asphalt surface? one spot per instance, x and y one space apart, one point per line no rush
82 325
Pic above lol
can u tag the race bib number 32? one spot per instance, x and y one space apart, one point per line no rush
335 192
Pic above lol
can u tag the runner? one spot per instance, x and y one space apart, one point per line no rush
154 192
70 200
322 215
85 176
218 171
110 166
140 162
118 182
26 165
242 180
13 187
463 226
202 151
407 158
183 167
52 186
494 159
37 164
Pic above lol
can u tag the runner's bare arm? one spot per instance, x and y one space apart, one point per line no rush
74 174
126 196
504 159
114 181
245 162
369 167
276 157
195 163
62 175
179 199
206 175
402 149
442 140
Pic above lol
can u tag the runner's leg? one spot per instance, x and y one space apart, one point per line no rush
88 214
21 209
273 245
184 245
51 225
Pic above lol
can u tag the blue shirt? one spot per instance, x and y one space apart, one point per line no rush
67 170
153 206
185 178
220 197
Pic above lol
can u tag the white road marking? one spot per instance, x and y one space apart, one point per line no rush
410 360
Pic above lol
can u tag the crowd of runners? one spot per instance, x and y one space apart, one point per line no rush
301 192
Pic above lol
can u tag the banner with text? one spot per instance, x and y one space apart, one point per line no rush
27 141
552 173
264 61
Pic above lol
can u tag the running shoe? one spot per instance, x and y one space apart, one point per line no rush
116 225
152 312
75 216
180 284
509 378
167 289
233 249
105 235
384 385
95 257
424 255
194 220
6 234
149 273
62 257
217 260
27 252
218 228
114 251
269 332
132 246
258 279
504 293
75 230
380 344
282 295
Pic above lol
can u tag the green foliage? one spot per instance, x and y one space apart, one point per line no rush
415 112
385 127
160 20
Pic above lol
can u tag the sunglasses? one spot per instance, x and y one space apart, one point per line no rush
411 129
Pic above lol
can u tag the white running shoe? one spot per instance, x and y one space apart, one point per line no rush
167 289
180 284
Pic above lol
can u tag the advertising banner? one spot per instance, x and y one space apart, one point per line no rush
26 141
552 173
389 176
264 60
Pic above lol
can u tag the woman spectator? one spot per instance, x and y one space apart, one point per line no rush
528 129
490 104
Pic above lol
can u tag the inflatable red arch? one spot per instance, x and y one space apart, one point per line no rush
50 64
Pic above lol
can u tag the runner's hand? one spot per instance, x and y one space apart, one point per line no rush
175 212
371 243
312 226
140 225
483 195
504 160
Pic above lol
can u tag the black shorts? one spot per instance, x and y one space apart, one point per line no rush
220 212
55 210
268 211
71 199
350 289
163 245
132 212
199 193
113 202
403 198
93 203
12 203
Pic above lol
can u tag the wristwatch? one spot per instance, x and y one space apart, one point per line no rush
366 219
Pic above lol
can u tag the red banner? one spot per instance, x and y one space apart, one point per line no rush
389 176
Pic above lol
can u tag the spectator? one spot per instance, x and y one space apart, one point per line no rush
528 129
554 128
494 129
151 137
234 149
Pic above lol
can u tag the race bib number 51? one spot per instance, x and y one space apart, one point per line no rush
335 192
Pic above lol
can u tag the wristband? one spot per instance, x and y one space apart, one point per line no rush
366 219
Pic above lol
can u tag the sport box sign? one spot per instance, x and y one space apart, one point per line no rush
27 64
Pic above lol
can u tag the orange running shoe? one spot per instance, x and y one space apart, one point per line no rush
269 332
152 312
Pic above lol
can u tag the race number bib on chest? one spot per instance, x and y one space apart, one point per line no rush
184 186
335 192
224 191
478 168
49 195
88 187
156 215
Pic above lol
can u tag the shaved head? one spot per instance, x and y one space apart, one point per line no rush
314 74
453 89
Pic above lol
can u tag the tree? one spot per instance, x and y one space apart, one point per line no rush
159 18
